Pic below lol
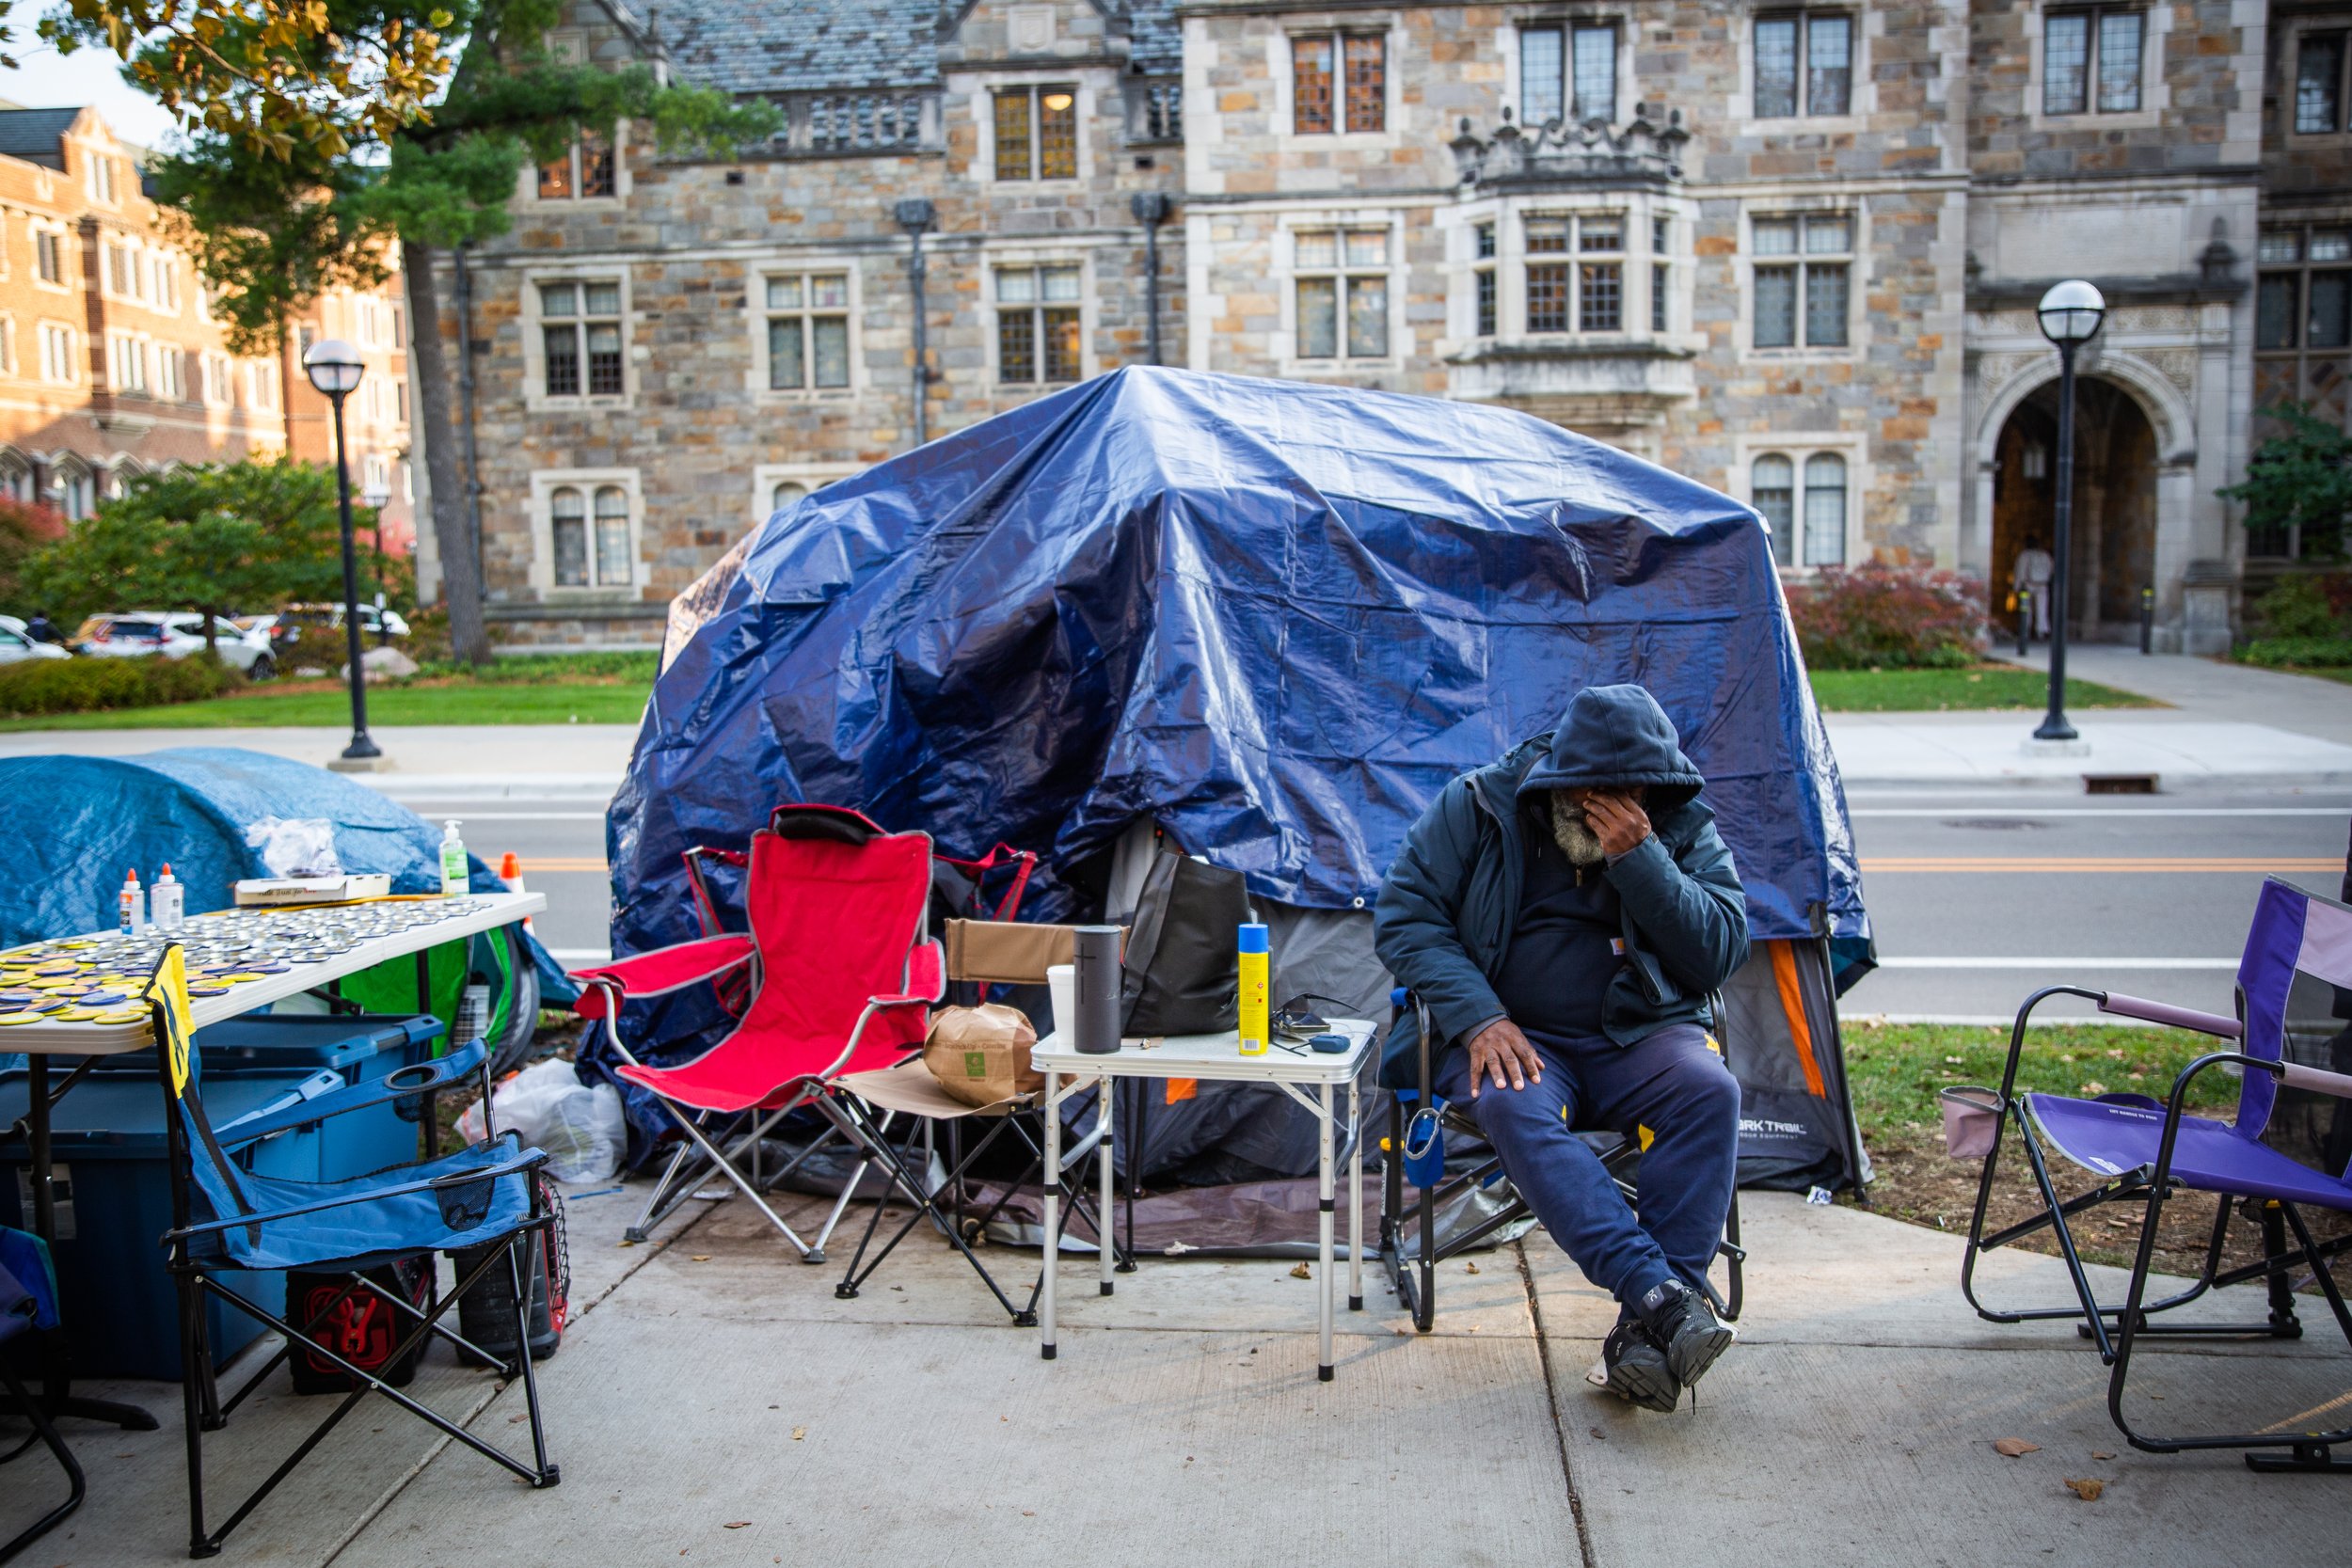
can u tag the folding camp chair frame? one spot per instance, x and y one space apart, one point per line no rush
1415 1279
871 1135
2115 1330
194 1282
45 1431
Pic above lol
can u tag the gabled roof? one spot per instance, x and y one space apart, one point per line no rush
37 136
761 46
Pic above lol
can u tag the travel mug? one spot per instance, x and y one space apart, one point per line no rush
1097 955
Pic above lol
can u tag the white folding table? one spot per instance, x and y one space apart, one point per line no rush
40 1041
1295 1070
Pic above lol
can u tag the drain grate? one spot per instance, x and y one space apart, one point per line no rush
2119 783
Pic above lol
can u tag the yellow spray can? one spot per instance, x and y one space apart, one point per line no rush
1254 990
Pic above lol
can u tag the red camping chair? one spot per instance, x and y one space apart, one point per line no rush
843 976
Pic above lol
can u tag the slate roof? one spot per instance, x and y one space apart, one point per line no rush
37 136
764 46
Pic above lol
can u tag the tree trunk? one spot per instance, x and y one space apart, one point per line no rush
461 569
211 636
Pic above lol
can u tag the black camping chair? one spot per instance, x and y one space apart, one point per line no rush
226 1218
1415 1279
18 1308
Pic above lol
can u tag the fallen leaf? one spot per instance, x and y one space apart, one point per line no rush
2088 1489
1598 1436
1028 1513
2097 1455
1471 1268
518 1416
702 1257
1300 1270
2092 1088
2012 1446
799 1433
737 1523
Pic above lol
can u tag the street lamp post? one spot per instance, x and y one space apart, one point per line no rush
916 215
334 368
379 497
2071 313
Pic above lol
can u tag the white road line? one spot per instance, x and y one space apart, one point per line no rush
2027 812
1976 962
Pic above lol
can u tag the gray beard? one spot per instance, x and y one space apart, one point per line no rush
1574 835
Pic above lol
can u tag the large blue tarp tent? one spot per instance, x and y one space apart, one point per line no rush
1271 619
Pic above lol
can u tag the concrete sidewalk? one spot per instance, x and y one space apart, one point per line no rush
2211 689
714 1402
429 759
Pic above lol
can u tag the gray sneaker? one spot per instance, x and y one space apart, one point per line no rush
1682 1323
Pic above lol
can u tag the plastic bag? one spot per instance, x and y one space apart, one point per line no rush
295 846
583 1129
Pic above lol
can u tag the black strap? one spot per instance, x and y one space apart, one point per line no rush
221 1161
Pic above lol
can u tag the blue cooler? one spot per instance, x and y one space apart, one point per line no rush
106 1147
358 1046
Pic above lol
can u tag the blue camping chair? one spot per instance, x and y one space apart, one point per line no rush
2148 1150
1414 1151
22 1311
227 1218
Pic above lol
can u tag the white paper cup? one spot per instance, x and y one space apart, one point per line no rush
1061 980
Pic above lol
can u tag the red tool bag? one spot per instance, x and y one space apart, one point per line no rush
357 1324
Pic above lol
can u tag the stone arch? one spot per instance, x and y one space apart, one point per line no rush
2165 406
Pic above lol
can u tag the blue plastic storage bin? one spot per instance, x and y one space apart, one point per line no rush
106 1142
361 1047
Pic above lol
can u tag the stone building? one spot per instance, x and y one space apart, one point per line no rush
1790 250
111 363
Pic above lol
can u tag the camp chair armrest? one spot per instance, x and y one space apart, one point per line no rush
673 968
406 1083
2336 1086
926 978
2017 1032
2177 1017
527 1159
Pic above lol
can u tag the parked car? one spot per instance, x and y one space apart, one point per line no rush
315 631
16 646
173 636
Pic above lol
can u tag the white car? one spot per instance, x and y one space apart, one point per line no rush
15 646
174 636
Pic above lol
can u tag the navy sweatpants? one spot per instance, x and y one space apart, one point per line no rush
1671 1084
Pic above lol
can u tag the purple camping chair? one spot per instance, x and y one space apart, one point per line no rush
2152 1151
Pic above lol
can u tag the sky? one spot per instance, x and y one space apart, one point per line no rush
45 80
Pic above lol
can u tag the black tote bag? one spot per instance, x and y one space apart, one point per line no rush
1181 976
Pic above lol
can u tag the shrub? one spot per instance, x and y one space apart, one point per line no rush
1874 617
43 685
2297 607
2321 653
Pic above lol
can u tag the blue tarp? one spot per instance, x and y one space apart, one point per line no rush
1273 618
76 824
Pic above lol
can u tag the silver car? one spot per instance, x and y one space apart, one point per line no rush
174 636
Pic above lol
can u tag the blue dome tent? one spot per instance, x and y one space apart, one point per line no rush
1269 621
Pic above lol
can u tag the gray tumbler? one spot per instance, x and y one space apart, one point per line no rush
1098 978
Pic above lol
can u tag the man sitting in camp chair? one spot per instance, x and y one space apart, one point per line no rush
1564 914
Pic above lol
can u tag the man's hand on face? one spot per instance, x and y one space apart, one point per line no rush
1500 1049
1617 820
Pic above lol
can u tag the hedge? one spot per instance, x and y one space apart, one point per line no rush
38 686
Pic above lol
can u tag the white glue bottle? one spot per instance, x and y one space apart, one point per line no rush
132 902
456 881
166 901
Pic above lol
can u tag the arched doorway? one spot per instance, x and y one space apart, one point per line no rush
2115 503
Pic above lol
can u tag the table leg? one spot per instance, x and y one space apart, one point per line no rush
1053 1217
1106 1113
1323 1228
1355 1196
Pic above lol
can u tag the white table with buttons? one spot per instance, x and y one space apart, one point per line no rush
1309 1077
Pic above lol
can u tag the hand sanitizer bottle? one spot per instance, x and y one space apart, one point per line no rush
456 881
166 901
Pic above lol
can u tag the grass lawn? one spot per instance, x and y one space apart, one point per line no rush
1991 686
1897 1068
549 691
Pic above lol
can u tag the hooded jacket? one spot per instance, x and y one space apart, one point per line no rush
1447 906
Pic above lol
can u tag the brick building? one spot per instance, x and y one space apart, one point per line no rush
1790 250
111 363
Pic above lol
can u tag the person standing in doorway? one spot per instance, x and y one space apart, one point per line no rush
2031 574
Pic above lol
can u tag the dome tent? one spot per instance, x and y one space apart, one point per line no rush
1270 620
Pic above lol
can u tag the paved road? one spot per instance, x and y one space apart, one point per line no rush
1978 896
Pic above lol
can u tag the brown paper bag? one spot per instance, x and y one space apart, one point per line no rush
980 1055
